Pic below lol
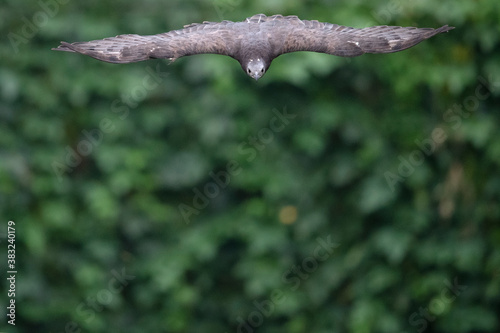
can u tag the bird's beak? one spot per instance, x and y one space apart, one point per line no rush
256 76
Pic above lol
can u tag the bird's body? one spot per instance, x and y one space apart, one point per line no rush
254 42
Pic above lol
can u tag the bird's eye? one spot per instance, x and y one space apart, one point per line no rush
249 71
262 70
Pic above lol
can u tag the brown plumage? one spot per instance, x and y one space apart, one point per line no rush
254 42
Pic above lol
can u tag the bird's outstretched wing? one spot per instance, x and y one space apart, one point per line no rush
265 36
197 38
293 34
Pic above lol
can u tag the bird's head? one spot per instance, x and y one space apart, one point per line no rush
255 68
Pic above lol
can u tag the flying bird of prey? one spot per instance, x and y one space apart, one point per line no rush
254 42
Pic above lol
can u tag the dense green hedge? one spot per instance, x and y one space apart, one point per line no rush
333 195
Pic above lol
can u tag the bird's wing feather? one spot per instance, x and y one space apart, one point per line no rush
293 34
198 38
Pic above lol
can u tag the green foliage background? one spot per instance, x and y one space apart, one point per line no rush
410 217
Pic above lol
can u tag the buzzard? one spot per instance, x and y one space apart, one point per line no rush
254 42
